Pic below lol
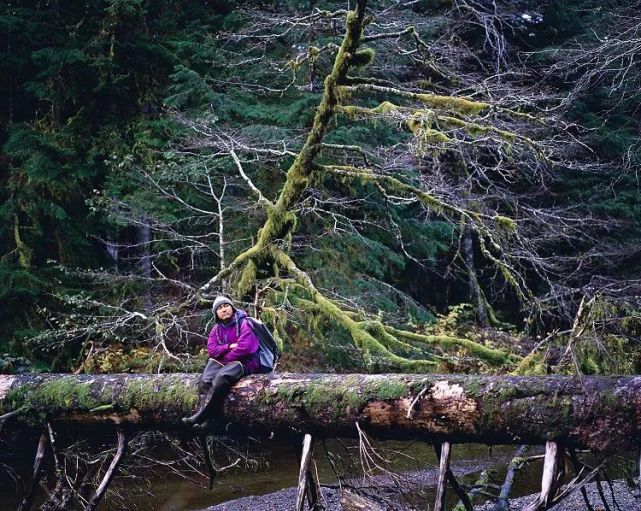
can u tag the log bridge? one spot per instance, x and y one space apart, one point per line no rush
597 413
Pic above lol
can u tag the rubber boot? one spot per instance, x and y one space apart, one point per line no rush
196 417
210 402
225 377
205 409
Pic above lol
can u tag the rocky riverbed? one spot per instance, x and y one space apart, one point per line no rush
619 497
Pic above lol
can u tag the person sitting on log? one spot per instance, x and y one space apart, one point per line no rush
233 353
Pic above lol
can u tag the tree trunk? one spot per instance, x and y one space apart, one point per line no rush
601 413
475 288
144 241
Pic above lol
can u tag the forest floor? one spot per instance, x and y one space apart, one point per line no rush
620 498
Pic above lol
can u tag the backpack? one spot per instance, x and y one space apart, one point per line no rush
268 352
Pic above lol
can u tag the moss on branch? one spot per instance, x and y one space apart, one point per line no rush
377 340
428 126
394 185
490 355
375 353
281 220
376 328
462 105
392 338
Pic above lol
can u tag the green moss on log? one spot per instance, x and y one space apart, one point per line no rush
52 396
170 393
86 394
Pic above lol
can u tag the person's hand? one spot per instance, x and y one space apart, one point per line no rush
233 345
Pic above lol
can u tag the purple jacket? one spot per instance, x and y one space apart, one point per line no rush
246 351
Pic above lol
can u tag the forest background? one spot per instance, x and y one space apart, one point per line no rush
470 201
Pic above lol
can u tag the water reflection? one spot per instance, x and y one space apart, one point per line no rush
274 466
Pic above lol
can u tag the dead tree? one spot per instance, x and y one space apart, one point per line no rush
598 413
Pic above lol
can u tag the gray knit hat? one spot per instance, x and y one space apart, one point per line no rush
220 300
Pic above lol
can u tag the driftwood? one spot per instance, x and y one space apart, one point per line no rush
27 501
443 452
306 484
502 504
351 501
600 413
552 472
113 466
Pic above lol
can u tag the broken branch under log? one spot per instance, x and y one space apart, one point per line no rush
113 466
27 501
600 413
443 452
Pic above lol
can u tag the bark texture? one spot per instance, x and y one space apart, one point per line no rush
602 413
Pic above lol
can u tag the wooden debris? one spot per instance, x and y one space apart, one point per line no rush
113 466
444 465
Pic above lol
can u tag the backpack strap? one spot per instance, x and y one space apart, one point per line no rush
238 323
249 319
251 325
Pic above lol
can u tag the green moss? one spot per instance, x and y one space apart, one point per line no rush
432 136
508 393
25 254
317 397
473 387
353 399
168 393
63 393
493 356
271 395
350 18
338 397
505 223
386 107
394 185
386 389
333 399
55 395
14 400
356 112
476 129
533 364
609 400
465 106
377 329
247 278
362 58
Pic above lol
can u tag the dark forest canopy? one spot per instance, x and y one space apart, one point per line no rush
467 162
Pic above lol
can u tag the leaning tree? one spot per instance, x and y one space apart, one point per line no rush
318 170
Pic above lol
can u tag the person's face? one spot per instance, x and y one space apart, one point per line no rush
224 312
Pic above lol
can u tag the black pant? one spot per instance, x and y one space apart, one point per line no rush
221 377
215 382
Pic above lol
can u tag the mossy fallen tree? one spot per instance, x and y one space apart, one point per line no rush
600 413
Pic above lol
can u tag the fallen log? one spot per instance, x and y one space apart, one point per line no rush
601 413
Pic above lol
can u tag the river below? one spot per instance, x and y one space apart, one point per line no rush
273 466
